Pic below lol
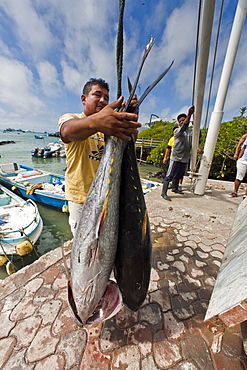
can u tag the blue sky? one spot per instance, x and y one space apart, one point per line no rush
49 49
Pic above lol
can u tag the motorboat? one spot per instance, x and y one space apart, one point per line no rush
31 183
20 227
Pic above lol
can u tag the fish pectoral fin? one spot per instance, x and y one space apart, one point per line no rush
93 253
102 216
144 226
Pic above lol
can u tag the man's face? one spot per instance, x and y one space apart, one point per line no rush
96 100
181 121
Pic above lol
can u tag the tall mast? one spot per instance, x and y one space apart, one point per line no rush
216 117
205 39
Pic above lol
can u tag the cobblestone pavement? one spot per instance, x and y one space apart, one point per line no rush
168 332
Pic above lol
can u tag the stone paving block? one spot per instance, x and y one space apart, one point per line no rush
222 362
94 331
17 361
191 244
179 265
50 274
62 295
43 294
43 345
6 347
217 254
205 248
7 286
126 318
28 273
25 330
152 314
33 285
192 283
182 309
13 299
49 310
200 264
162 298
62 322
127 357
61 281
174 329
148 364
200 307
112 337
142 336
185 365
8 324
72 347
54 362
24 309
166 354
232 344
93 358
195 348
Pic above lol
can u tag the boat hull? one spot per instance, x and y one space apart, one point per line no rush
18 184
21 224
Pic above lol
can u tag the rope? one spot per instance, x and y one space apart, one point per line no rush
119 56
213 65
196 53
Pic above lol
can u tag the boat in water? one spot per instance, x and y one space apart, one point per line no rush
20 227
54 149
31 183
38 137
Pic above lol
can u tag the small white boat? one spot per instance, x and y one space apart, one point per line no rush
20 227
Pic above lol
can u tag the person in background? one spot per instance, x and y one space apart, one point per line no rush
167 155
241 169
180 154
83 137
236 154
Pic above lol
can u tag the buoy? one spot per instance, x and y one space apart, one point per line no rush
10 268
24 248
3 260
65 208
13 188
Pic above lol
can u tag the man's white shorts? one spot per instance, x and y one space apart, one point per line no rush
241 169
74 214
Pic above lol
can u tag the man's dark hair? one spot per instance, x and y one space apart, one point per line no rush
181 115
94 81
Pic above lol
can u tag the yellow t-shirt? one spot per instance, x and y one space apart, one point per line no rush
171 142
82 159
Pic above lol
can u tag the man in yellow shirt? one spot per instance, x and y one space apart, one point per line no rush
83 137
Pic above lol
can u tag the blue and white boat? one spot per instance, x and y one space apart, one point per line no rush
31 183
20 227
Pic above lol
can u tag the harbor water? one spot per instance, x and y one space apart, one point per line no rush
56 229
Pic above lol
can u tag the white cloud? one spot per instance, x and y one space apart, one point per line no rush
29 27
16 82
49 82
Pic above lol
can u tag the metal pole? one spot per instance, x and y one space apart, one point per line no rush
206 32
216 117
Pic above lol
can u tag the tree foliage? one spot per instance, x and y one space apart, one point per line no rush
223 165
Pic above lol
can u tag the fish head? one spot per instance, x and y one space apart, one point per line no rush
108 306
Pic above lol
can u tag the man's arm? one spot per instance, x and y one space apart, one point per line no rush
240 142
187 119
108 121
242 151
167 154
